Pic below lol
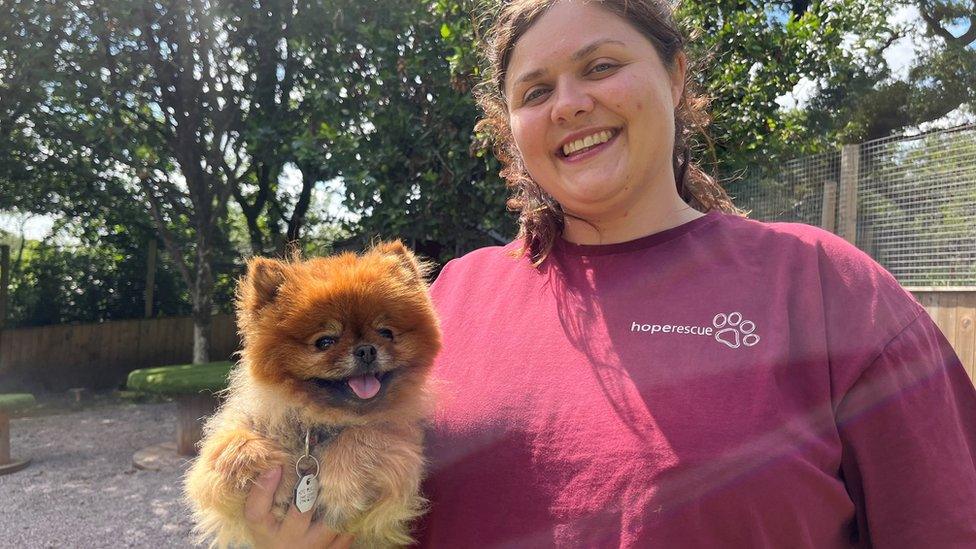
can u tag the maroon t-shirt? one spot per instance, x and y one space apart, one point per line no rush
726 383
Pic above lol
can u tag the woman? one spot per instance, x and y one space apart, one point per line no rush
641 369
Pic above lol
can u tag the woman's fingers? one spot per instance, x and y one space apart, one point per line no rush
344 541
295 531
321 536
260 500
295 524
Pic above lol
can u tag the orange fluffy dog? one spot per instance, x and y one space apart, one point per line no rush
335 360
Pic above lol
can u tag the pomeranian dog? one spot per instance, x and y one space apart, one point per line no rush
332 386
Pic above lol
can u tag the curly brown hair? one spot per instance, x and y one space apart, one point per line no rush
541 219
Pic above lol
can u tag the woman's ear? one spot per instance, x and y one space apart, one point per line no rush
679 71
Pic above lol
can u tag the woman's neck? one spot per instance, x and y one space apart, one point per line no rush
649 216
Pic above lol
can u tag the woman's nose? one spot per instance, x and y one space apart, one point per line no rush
571 101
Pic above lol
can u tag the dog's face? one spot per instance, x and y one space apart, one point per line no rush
349 336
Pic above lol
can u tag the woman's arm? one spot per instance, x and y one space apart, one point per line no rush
908 426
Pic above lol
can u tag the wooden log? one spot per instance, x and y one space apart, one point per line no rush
8 465
191 412
4 439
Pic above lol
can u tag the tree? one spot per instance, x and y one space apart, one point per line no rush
939 14
401 126
134 106
55 284
275 43
157 116
754 52
144 100
865 105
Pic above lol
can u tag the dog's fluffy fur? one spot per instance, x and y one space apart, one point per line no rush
307 329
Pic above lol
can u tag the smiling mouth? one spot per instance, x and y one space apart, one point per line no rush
358 388
581 146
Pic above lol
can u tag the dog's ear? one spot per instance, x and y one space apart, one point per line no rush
260 286
412 267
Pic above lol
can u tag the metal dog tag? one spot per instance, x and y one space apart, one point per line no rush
305 493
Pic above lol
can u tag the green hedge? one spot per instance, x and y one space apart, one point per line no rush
15 402
181 380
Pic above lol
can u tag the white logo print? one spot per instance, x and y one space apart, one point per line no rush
733 331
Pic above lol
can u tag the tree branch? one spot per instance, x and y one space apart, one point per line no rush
932 15
169 241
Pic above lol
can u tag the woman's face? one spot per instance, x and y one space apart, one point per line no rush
591 107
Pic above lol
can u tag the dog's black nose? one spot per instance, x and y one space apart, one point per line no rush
365 353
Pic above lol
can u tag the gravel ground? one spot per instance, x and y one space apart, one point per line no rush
81 489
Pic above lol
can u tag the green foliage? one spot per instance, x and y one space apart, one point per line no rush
403 145
753 52
187 379
862 105
15 402
59 284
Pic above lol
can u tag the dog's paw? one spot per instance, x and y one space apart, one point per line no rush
239 455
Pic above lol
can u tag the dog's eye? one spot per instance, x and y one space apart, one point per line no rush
324 342
386 332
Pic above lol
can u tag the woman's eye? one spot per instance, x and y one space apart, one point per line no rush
324 342
385 332
602 67
534 94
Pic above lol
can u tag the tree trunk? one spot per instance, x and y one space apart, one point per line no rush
297 220
202 330
202 303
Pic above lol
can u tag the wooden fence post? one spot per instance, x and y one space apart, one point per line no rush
850 158
828 213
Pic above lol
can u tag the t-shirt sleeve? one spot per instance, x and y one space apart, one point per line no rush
447 288
908 427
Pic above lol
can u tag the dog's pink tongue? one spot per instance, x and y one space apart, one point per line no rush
365 386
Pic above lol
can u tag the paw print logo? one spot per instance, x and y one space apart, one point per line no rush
733 331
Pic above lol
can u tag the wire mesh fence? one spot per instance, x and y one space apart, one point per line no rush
794 193
908 201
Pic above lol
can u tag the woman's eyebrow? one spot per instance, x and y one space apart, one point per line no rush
531 75
592 46
579 54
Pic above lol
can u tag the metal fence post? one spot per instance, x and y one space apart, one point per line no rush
850 158
828 213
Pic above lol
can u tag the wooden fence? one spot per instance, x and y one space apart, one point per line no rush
954 310
99 356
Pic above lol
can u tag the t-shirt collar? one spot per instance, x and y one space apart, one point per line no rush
568 248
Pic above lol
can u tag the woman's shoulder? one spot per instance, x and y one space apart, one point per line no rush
848 277
487 262
810 247
792 235
488 255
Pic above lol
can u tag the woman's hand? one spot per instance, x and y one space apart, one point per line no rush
295 531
